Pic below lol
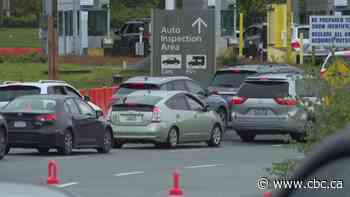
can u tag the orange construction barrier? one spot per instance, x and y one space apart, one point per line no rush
100 96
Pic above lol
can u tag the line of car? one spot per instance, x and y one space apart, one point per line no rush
165 111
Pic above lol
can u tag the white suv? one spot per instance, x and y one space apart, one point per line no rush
11 90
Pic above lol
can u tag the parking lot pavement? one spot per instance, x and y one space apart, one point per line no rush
142 170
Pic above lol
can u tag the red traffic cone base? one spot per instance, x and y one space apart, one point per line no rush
52 173
176 190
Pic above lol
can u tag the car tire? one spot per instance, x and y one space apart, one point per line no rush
43 151
3 143
107 143
299 137
68 143
247 136
215 137
223 116
7 150
173 138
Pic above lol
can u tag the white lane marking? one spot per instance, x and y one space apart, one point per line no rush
204 166
67 184
129 173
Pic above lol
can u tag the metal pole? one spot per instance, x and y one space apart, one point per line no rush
289 31
108 20
301 48
235 19
241 29
51 47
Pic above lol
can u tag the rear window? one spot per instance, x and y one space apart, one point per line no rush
264 89
9 93
231 79
31 105
142 100
343 59
305 31
129 88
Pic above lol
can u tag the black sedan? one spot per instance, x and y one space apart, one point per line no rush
3 137
55 121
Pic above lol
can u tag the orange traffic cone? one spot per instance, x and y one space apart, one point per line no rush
52 173
176 191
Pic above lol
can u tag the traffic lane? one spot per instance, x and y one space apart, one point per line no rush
96 174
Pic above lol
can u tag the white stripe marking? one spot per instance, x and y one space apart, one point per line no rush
204 166
128 173
67 184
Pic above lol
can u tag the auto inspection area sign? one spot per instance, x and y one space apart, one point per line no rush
184 44
330 31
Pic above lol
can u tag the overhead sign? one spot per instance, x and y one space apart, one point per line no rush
184 44
328 31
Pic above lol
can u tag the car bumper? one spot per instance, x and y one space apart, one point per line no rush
271 125
35 139
154 132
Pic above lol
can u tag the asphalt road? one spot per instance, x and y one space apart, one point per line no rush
142 170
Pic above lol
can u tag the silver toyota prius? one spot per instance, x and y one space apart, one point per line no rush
165 119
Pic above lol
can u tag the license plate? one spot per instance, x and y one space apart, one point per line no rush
20 124
260 112
131 118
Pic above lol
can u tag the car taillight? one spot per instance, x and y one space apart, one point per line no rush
46 118
323 72
238 101
236 71
156 114
214 92
286 101
147 35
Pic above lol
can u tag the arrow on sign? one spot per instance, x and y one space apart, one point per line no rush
199 22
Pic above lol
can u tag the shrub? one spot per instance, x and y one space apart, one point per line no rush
32 58
22 21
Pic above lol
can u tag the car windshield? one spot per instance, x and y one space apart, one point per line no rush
31 105
268 89
9 93
230 79
126 89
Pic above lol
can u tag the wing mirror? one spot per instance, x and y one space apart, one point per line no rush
99 114
206 108
86 98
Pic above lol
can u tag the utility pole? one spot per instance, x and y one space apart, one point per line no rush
170 4
241 29
289 31
52 45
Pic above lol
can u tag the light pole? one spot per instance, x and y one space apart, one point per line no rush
235 19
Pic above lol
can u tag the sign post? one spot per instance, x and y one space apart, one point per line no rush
184 44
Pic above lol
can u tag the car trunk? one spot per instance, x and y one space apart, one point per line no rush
263 99
27 121
132 114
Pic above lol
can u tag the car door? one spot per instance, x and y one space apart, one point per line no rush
182 115
77 121
201 123
93 128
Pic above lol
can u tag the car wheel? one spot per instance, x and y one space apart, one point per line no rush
173 138
247 137
67 144
215 137
43 151
107 143
2 144
223 116
8 149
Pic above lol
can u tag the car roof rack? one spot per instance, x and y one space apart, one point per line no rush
51 81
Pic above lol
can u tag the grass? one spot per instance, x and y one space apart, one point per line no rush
19 37
98 77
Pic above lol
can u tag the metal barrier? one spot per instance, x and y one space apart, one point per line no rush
100 96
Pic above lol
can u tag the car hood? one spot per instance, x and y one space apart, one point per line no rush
3 104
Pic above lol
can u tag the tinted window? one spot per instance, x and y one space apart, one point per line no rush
178 103
10 92
72 92
72 106
194 104
179 85
264 89
129 88
59 90
305 32
230 79
32 105
194 88
85 109
145 100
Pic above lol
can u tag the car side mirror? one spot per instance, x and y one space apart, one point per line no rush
99 114
206 108
86 98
